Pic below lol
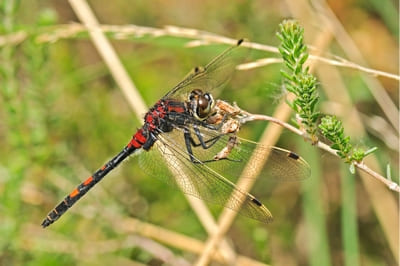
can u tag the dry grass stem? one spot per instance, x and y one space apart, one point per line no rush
362 166
121 225
328 18
135 100
384 204
109 56
91 249
122 32
269 138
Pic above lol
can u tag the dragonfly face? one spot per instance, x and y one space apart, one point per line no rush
201 104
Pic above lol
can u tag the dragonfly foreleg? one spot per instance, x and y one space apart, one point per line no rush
189 142
204 143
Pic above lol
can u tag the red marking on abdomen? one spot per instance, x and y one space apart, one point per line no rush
88 181
74 193
138 139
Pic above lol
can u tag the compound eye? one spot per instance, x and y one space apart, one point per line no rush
203 102
205 105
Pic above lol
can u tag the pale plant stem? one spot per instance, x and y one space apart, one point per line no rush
125 225
136 102
360 165
58 32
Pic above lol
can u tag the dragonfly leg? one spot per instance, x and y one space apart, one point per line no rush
203 142
189 142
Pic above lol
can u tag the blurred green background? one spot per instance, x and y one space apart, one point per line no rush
63 116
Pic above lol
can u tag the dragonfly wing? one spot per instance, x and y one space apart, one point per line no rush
199 180
213 76
281 164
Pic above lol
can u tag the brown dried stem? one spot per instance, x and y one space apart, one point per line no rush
135 100
360 165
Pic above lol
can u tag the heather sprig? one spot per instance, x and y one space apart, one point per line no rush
298 80
303 85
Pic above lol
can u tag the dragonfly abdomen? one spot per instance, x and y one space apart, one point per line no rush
86 185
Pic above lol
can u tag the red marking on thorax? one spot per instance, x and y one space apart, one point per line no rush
178 109
160 111
149 119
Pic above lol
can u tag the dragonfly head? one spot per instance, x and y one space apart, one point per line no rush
201 104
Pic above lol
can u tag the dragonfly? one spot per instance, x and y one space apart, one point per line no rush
184 146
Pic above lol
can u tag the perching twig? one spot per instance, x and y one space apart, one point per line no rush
360 165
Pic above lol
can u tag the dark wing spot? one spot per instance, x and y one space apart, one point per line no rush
256 201
293 155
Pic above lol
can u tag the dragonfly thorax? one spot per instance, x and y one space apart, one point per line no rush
201 104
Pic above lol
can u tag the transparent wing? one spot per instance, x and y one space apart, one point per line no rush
213 76
208 180
281 165
199 180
